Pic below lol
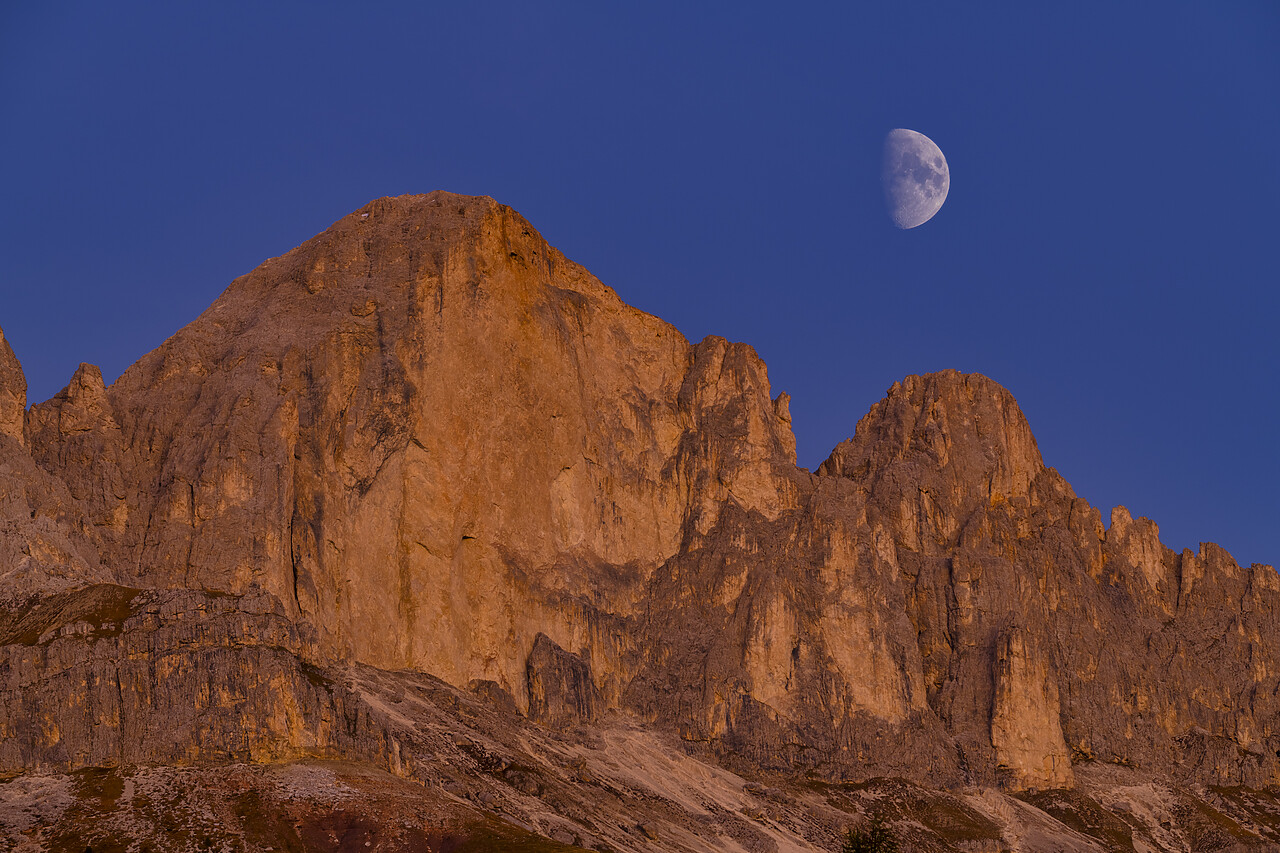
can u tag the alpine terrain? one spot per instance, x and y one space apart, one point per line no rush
420 538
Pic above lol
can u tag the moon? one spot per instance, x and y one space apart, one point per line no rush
915 177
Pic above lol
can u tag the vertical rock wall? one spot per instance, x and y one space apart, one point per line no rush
443 446
13 393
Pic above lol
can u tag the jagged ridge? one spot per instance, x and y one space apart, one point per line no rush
436 442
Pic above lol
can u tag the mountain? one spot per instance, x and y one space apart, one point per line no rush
423 513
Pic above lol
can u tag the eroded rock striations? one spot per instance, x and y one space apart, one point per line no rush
425 440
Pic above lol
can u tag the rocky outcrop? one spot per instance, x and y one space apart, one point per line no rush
110 674
561 690
988 540
436 445
46 542
425 402
13 393
76 435
1026 723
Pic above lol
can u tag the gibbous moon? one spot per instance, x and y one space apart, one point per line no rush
915 176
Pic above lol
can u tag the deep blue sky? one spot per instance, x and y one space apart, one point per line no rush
1107 251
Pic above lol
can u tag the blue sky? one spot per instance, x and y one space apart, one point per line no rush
1107 250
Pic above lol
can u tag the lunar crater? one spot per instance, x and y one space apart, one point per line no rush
915 177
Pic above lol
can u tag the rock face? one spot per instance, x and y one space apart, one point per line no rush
426 441
1009 577
112 674
13 393
561 689
1026 720
76 435
422 419
46 542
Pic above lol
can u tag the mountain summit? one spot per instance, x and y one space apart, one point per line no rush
424 495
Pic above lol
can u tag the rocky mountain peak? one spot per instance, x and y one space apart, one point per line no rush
424 401
965 426
425 462
79 407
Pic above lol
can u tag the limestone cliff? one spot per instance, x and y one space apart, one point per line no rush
427 419
13 393
989 541
46 541
425 440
